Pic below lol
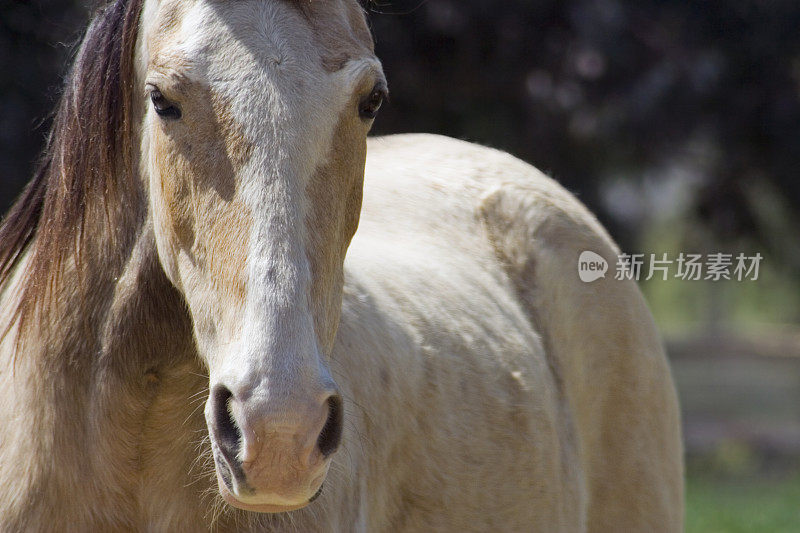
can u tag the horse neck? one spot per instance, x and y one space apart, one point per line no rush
109 307
86 373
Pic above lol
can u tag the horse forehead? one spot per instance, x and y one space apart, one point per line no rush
326 33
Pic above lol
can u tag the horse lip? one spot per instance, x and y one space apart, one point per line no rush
225 474
228 496
316 494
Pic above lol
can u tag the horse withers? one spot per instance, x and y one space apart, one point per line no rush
186 347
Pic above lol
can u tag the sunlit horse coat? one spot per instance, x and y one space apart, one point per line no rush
485 386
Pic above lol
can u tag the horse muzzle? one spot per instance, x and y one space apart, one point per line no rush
272 456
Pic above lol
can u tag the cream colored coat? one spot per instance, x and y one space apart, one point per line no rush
486 387
515 396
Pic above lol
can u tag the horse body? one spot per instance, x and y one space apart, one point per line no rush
476 398
526 400
468 378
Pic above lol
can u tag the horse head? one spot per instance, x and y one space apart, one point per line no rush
253 150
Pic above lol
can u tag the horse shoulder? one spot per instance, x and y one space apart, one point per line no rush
603 343
445 353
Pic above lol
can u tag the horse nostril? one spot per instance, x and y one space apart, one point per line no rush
331 434
227 433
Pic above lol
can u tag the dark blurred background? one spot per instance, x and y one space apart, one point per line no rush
677 122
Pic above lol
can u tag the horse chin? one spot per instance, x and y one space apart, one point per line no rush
256 507
262 507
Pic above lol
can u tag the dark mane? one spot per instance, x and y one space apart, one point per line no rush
86 157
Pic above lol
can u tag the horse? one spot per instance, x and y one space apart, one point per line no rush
195 337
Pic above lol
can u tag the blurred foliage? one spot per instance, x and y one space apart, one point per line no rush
638 106
36 41
680 306
647 109
743 506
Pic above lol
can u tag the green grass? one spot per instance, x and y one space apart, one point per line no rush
760 506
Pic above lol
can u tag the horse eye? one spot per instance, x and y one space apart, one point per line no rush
164 108
370 105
